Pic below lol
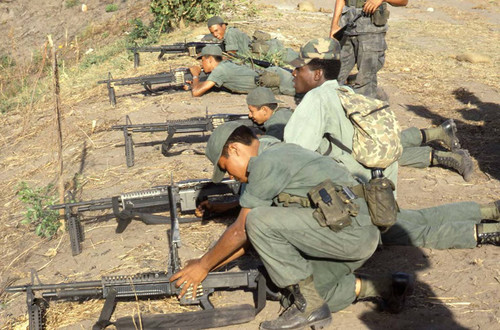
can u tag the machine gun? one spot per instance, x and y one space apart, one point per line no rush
152 285
142 204
186 126
174 79
190 48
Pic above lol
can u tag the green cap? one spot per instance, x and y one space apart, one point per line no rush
213 50
215 20
322 48
260 96
215 145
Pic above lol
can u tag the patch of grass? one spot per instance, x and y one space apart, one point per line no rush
45 220
111 8
71 3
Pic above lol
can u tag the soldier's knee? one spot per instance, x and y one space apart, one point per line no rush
255 220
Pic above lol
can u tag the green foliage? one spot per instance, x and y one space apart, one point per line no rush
6 61
175 13
142 35
71 3
111 8
240 8
45 220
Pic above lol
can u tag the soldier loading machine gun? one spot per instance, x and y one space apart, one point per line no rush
175 79
142 204
191 125
190 48
150 286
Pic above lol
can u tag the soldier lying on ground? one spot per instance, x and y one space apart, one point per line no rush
313 262
321 112
236 78
238 42
264 110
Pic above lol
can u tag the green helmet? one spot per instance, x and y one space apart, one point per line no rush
322 48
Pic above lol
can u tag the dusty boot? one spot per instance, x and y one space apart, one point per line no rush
488 233
392 289
490 211
444 133
308 309
458 160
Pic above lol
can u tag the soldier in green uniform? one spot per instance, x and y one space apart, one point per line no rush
314 263
235 40
236 78
264 109
320 112
364 43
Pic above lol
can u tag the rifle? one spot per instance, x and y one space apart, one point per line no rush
152 285
191 48
175 79
254 61
341 35
190 125
142 204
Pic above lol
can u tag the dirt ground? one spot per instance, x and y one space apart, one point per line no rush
426 83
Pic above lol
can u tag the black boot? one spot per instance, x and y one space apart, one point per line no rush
308 309
488 233
459 160
392 289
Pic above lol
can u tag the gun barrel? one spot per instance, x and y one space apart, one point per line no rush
98 204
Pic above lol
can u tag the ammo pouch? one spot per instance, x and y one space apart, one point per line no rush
379 196
332 204
260 47
380 16
268 79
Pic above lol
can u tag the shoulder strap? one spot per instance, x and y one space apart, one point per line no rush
335 141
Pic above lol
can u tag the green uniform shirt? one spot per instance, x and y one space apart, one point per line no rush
236 78
236 40
275 125
283 167
320 112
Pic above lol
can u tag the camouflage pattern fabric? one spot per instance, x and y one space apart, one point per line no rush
377 134
322 48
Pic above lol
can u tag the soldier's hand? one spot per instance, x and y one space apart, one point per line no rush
334 30
189 278
371 5
195 70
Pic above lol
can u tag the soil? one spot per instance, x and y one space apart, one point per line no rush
425 82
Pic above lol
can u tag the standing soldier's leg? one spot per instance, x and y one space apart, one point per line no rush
348 56
370 59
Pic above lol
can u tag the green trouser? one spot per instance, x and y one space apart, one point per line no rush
414 154
293 246
449 226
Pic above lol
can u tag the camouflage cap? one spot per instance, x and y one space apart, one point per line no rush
215 20
260 96
322 48
215 145
212 50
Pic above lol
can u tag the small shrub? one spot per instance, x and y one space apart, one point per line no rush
71 3
45 220
111 8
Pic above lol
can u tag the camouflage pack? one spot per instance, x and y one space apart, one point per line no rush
376 142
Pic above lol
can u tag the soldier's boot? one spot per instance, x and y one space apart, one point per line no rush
488 233
459 160
393 290
490 211
446 133
307 310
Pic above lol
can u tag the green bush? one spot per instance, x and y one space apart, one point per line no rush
111 8
142 35
175 13
45 220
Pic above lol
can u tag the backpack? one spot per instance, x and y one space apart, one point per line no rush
376 142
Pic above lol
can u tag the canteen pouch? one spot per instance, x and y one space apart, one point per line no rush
269 79
380 16
382 206
332 207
